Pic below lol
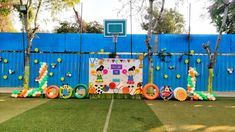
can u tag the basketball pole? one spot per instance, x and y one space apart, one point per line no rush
115 36
131 24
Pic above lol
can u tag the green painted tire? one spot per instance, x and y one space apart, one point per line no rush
78 88
70 92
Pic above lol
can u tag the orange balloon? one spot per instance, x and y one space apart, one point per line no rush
125 90
92 90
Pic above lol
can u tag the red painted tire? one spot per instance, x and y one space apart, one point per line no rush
146 95
52 94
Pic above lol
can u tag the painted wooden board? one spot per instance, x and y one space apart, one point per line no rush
105 73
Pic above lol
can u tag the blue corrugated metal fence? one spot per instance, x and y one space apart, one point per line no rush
66 46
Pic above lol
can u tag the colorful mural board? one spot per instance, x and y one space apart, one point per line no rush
115 75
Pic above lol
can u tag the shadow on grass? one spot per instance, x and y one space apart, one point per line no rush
196 115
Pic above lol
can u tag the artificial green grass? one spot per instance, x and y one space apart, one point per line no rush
10 107
133 115
61 115
216 115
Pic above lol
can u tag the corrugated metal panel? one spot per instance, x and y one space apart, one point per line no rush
179 68
232 43
72 42
11 41
139 44
15 63
223 81
69 63
49 42
95 42
173 42
198 40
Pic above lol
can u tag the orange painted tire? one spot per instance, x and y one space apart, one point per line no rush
52 94
146 95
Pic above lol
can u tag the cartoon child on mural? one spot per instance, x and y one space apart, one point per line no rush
99 74
130 79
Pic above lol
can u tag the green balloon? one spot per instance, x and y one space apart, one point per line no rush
15 92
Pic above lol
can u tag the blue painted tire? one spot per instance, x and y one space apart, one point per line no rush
161 93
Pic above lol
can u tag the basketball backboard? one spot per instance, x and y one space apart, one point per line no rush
115 27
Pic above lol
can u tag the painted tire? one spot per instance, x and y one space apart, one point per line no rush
80 87
70 90
180 94
52 94
146 95
161 94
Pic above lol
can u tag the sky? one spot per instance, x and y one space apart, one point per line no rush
98 10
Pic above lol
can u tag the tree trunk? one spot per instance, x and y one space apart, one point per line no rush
213 57
149 36
210 79
30 35
27 65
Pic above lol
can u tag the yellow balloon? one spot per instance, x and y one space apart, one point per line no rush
137 70
93 72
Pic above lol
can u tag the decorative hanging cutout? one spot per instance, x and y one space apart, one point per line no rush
20 77
171 67
62 79
68 74
5 77
36 50
51 74
158 68
59 60
53 65
178 76
5 61
35 61
10 71
198 61
230 70
164 56
191 52
186 61
165 76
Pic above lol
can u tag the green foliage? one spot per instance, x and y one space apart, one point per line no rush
94 27
91 27
216 11
71 3
5 21
57 5
66 27
171 22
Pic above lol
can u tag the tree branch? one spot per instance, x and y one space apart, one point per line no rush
206 46
21 2
160 14
36 15
220 34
